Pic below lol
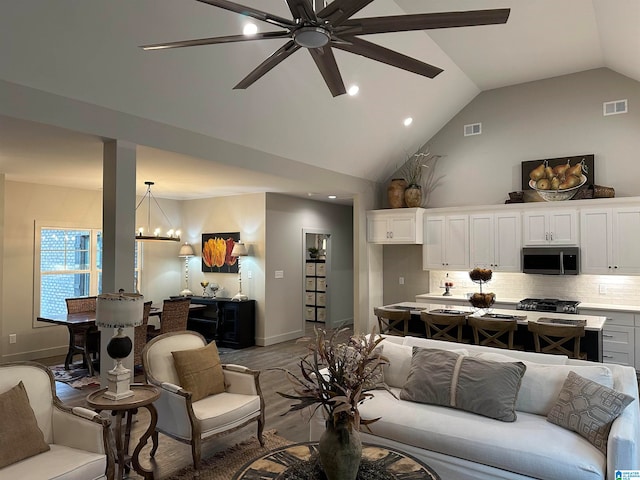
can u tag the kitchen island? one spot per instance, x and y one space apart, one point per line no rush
591 343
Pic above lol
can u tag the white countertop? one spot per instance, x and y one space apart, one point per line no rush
593 322
434 297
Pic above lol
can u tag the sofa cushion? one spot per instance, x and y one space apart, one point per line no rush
200 371
530 446
588 408
541 384
21 438
446 378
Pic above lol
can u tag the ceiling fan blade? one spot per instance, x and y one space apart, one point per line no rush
340 10
326 63
214 40
274 59
384 55
423 21
302 9
251 12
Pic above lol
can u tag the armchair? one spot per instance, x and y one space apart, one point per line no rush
79 439
193 422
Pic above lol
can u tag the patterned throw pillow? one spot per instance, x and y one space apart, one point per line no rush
588 408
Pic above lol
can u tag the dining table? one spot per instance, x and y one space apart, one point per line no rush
76 322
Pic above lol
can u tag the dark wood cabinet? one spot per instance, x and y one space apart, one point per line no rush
230 323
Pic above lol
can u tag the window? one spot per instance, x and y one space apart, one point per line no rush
68 264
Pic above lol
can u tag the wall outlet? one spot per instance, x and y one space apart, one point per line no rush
249 274
603 289
401 281
279 273
12 338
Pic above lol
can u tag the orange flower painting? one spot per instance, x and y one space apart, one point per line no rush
216 252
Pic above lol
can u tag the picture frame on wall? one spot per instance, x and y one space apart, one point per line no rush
542 188
216 252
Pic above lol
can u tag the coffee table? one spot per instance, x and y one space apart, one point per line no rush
273 464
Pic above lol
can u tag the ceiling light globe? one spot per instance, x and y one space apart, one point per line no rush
311 37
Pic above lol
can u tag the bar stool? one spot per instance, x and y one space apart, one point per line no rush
551 338
393 322
492 332
441 327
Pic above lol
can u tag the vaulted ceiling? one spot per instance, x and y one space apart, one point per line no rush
89 51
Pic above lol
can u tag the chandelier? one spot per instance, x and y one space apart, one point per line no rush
145 235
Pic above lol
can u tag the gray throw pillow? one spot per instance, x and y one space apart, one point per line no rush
442 377
588 408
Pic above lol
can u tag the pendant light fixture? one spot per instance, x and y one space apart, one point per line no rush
155 235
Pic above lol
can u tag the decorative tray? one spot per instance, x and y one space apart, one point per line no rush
449 311
562 321
500 316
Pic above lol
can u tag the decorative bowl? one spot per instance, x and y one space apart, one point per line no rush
482 300
558 195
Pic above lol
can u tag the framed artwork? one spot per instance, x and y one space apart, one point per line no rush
542 180
216 252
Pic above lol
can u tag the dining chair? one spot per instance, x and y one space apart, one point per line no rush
493 332
558 339
444 327
140 335
84 339
175 313
393 322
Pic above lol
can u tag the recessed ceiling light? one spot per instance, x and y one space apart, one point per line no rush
250 29
407 121
353 90
332 196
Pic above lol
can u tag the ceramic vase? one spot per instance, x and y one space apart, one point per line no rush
395 192
413 195
340 451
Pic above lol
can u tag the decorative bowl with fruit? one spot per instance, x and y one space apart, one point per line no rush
482 300
556 195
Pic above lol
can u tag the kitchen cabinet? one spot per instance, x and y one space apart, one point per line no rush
606 246
495 241
556 227
446 242
618 336
395 226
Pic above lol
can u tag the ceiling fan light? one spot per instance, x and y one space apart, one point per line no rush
311 37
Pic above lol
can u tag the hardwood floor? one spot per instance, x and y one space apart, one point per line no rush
172 455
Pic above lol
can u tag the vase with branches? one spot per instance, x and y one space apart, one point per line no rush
419 172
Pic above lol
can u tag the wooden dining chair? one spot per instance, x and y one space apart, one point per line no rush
83 339
493 332
175 313
393 322
558 339
444 327
140 335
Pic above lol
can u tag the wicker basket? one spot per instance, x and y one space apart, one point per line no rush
603 192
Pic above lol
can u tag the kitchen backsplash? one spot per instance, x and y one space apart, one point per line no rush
603 289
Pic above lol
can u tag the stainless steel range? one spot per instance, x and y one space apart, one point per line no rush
548 305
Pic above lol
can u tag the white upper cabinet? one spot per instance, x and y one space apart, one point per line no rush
557 227
609 240
446 242
395 226
495 241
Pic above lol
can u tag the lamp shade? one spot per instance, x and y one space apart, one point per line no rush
186 250
119 310
239 250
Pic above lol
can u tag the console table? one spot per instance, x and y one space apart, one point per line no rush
230 323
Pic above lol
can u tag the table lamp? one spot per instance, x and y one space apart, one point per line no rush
239 250
186 252
119 310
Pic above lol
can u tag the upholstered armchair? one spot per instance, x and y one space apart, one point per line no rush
44 438
187 410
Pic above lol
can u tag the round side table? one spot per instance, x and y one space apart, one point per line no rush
275 463
143 396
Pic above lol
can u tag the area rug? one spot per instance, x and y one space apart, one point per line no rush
223 465
76 376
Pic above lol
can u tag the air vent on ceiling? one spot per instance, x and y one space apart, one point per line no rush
615 107
472 129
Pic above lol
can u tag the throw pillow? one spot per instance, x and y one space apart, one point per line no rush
446 378
399 357
21 437
200 371
588 408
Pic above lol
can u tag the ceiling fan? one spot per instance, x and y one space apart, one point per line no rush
319 28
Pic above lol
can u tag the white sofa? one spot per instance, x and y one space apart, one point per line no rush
466 446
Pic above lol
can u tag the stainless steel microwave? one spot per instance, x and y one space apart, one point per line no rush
551 260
